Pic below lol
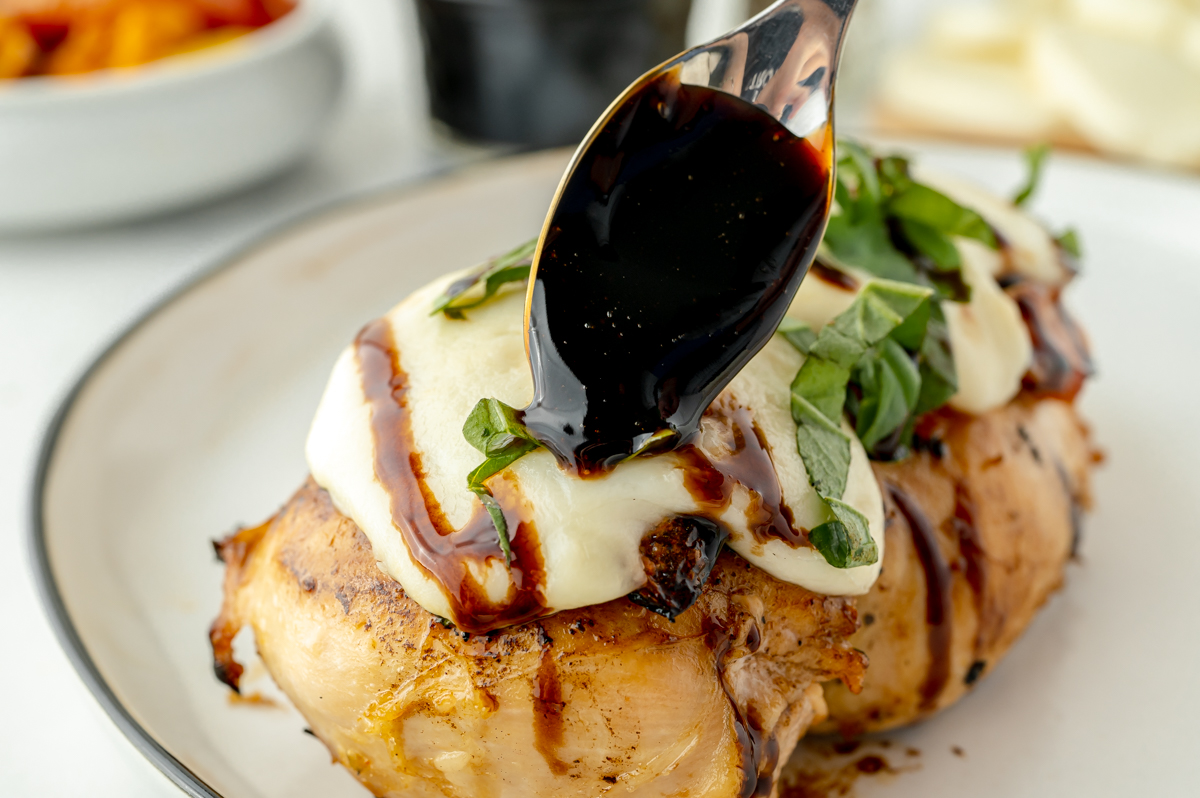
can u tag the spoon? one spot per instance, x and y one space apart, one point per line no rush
679 234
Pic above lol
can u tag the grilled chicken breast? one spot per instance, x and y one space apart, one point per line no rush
610 697
980 524
979 527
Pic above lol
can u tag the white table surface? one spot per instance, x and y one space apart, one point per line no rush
64 297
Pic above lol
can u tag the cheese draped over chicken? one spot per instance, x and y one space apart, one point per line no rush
589 531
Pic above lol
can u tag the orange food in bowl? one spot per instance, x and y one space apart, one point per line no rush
69 37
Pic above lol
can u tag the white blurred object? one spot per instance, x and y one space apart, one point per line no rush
1189 40
1121 76
979 98
1127 97
120 144
976 30
1149 21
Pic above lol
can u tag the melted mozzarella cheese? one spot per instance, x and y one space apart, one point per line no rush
990 341
589 531
1030 250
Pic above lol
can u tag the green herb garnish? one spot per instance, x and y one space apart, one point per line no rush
1035 159
896 228
511 267
493 428
868 348
1069 241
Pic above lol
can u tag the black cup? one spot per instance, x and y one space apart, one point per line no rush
540 72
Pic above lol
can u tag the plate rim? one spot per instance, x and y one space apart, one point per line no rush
53 606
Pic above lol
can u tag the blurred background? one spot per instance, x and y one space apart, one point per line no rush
116 110
142 140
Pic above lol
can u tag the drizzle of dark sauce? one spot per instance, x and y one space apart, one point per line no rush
443 552
824 770
760 753
939 597
1077 513
679 555
677 243
547 710
1061 359
711 482
835 277
970 546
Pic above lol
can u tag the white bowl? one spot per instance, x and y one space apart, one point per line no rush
117 144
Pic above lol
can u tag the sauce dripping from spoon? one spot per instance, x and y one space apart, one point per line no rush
677 241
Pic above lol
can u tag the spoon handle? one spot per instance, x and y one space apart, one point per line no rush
783 60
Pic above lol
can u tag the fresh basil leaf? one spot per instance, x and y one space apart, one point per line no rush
511 267
856 163
920 203
891 384
911 332
939 378
819 398
497 513
821 385
494 465
845 541
832 539
931 243
1035 159
1069 241
868 245
824 447
797 333
896 228
493 428
652 442
893 175
877 310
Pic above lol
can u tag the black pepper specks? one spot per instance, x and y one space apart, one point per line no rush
975 671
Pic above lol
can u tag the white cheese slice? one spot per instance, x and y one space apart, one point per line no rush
1030 249
589 530
983 98
1133 98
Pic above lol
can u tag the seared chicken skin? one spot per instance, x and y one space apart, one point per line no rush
979 527
611 697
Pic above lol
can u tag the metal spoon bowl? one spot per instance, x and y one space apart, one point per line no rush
679 234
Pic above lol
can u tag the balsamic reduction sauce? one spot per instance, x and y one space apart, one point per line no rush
711 482
1062 361
939 595
444 553
975 561
760 750
678 241
548 704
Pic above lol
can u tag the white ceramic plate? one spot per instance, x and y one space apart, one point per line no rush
194 422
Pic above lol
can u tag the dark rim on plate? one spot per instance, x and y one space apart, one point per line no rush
52 601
